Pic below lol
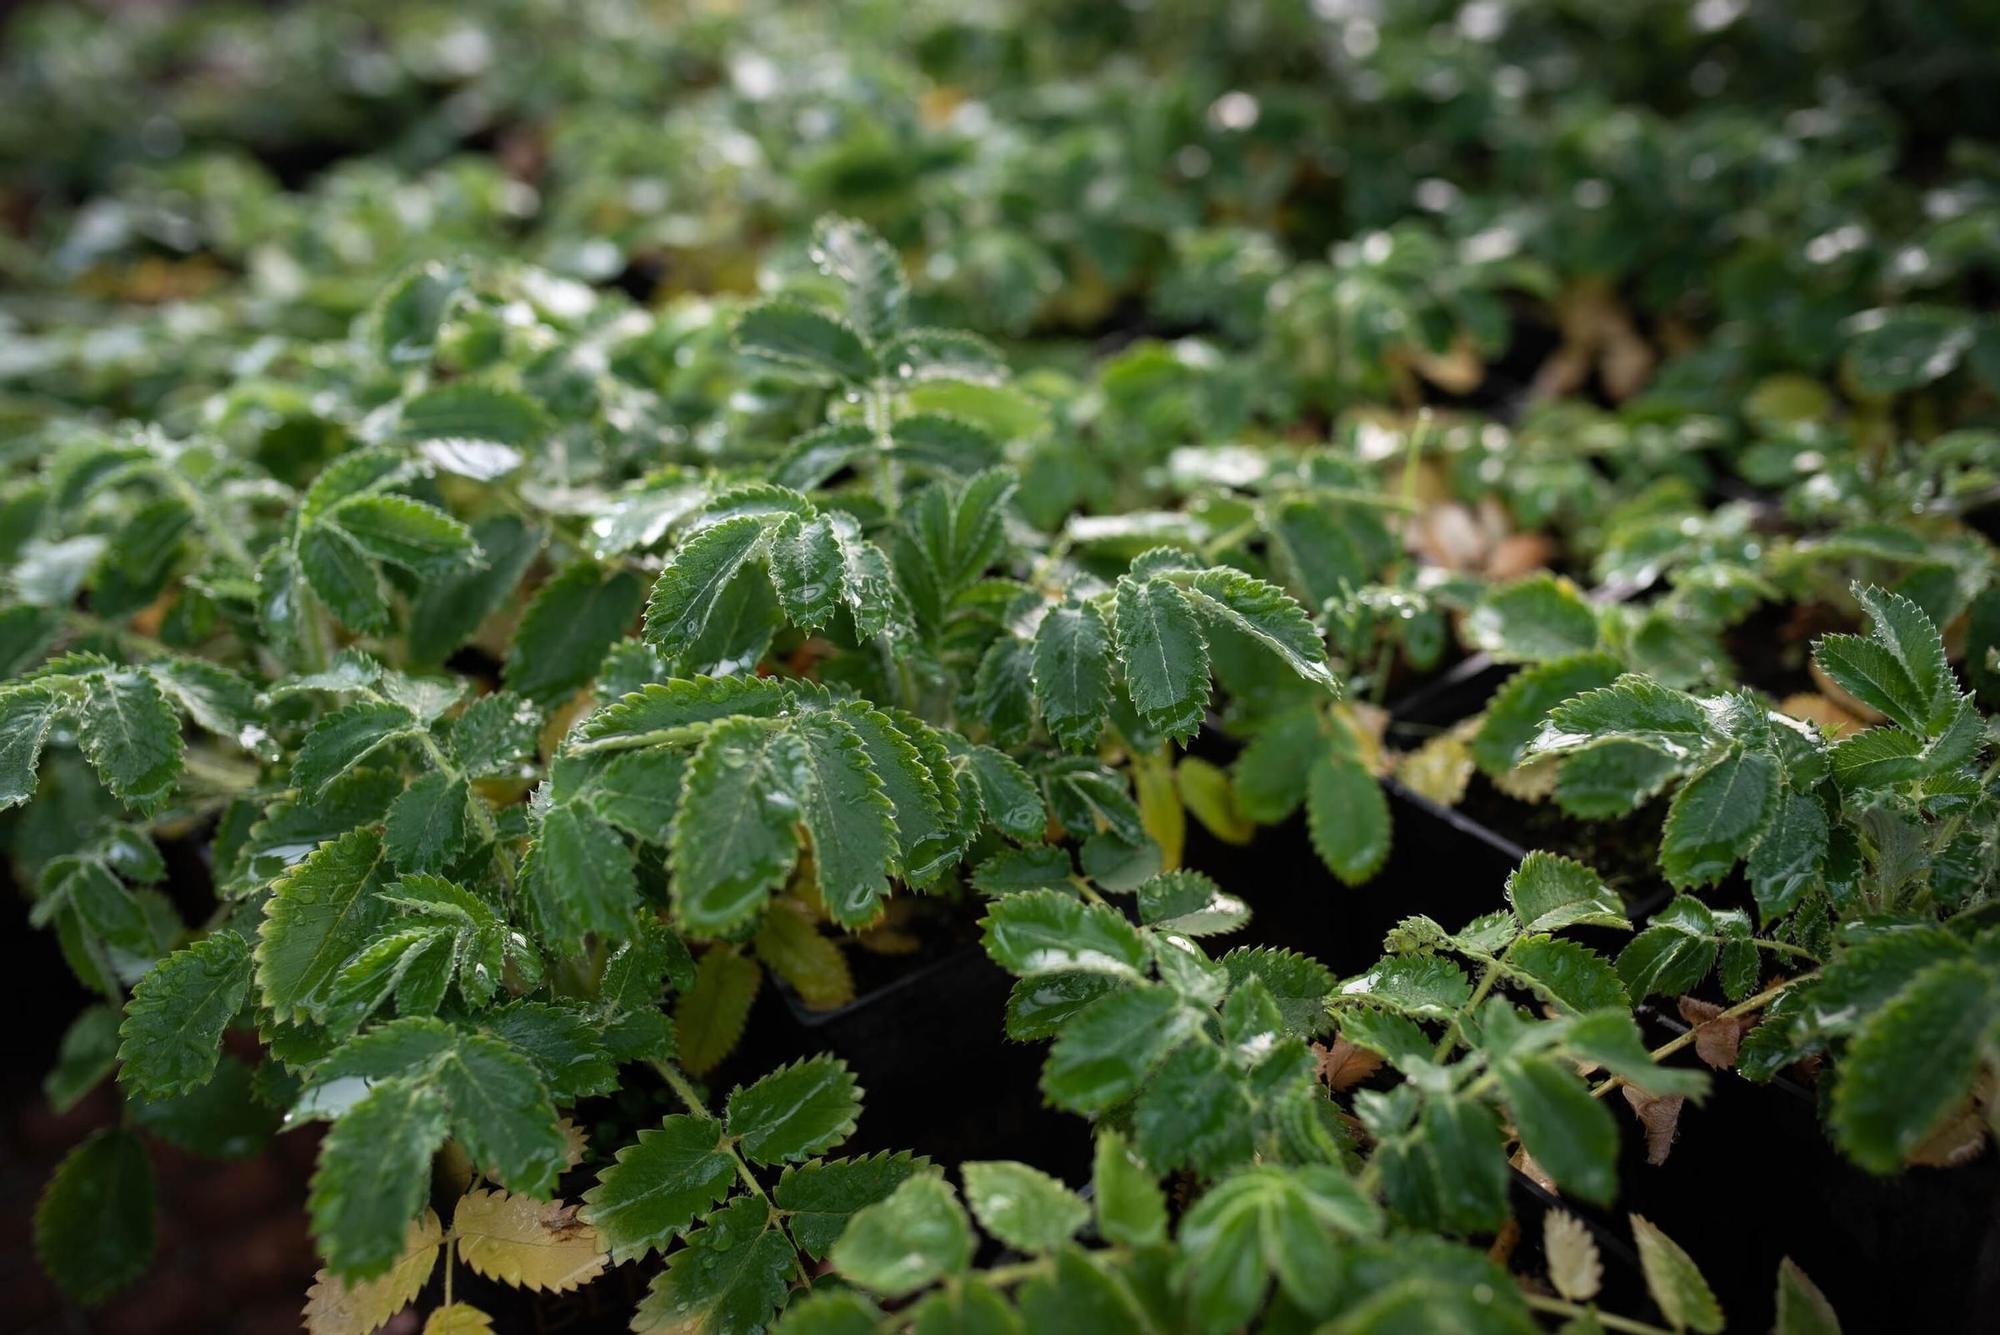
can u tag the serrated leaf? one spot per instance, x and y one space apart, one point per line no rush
581 876
130 736
731 1276
654 1189
26 715
868 267
404 532
1080 1297
1534 621
1549 892
915 1235
746 790
501 1112
1023 1207
336 1307
1299 985
1912 1061
1190 904
1877 758
790 945
1047 931
1427 987
821 1196
907 756
1678 1289
1634 708
806 569
374 1173
1195 1111
1267 1223
693 583
344 739
88 1054
1574 1266
1788 859
1003 695
1271 772
1162 653
1716 816
94 1223
569 626
1802 1308
795 1112
1110 1047
318 916
172 1034
339 572
1267 615
530 1244
709 1017
800 338
1347 817
1072 673
671 706
1571 975
451 604
830 1312
848 817
1874 675
426 827
1519 707
1612 779
458 1319
1131 1209
1673 953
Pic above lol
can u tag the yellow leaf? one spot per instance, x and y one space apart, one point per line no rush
1532 782
334 1307
1160 809
526 1242
459 1319
708 1018
575 1144
1211 799
1574 1267
791 945
1439 769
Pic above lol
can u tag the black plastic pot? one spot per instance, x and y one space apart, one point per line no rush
941 1078
1752 1179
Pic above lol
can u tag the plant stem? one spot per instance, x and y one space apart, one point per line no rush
1487 980
1557 1307
1669 1048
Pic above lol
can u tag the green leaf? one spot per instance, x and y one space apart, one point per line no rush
1265 1223
341 574
1298 984
849 818
805 569
1682 1295
450 606
26 715
709 1017
1571 975
94 1224
1571 1135
1673 953
426 827
1113 1045
915 1235
1268 615
1913 1061
130 736
1612 779
1802 1308
344 739
1633 708
570 624
1904 348
501 1112
868 267
795 1112
1072 673
88 1054
1549 892
1023 1207
318 916
744 789
1427 987
1131 1208
690 588
731 1276
1163 654
800 338
1271 772
1716 817
1080 1297
1518 709
1539 619
1347 817
684 702
971 1307
1006 794
402 532
1048 931
1877 758
830 1312
1788 859
821 1196
654 1189
1876 676
1190 904
1196 1111
907 756
581 876
374 1176
1908 632
172 1034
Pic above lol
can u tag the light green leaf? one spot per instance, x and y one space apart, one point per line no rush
1573 976
1131 1208
900 1244
868 267
654 1189
1266 1223
821 1196
1549 892
1163 654
1682 1295
1536 620
26 715
1023 1207
1347 817
1109 1048
1190 904
1048 931
318 916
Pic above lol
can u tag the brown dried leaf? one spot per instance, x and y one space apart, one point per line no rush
575 1143
1342 1065
1519 555
1716 1039
1504 1242
530 1243
1844 702
334 1307
1660 1116
1524 1163
1960 1139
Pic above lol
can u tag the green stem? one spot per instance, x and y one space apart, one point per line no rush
1557 1307
1487 981
1669 1048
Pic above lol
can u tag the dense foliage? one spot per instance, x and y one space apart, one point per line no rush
522 525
